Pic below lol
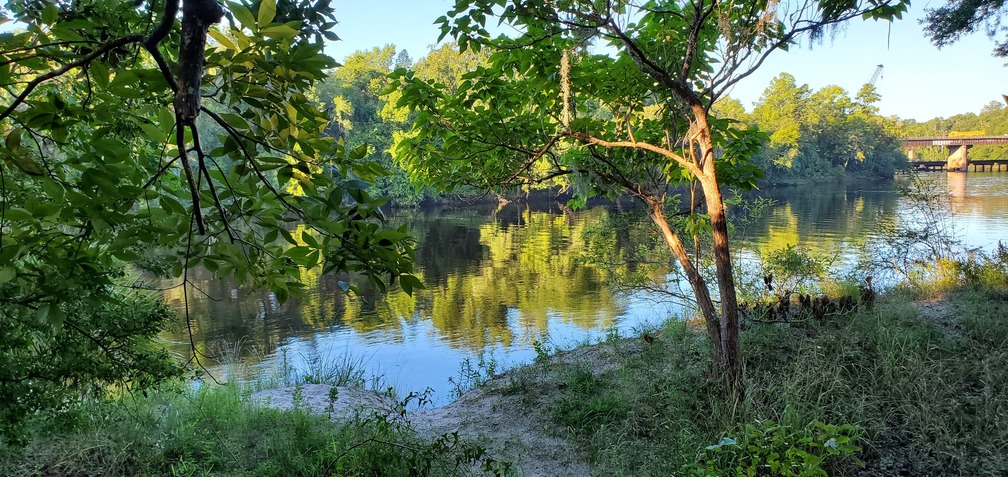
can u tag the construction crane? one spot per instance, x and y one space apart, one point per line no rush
876 76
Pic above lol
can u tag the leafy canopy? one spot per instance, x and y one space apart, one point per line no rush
948 23
103 164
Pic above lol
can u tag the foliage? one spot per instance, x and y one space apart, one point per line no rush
767 448
923 381
921 385
357 96
989 272
96 339
625 246
795 270
472 376
948 23
548 111
824 134
102 164
924 239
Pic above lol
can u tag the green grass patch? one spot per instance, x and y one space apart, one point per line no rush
916 388
218 431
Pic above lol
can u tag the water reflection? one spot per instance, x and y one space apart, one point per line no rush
499 279
494 278
826 219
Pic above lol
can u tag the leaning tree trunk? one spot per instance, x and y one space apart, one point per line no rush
729 326
697 283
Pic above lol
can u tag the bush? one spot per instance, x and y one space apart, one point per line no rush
989 272
88 341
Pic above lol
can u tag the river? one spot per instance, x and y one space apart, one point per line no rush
502 283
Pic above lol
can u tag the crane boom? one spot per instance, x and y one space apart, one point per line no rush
875 77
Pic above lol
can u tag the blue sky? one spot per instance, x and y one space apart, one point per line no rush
918 81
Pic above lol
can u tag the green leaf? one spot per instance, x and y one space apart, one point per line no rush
280 32
13 140
7 274
288 237
308 239
221 38
26 164
409 283
51 314
359 152
169 204
267 11
243 15
153 132
166 120
50 13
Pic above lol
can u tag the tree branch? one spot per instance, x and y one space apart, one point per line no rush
193 187
643 146
84 60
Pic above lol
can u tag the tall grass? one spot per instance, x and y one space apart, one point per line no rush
924 384
181 430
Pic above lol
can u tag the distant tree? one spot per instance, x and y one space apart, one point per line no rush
633 121
781 111
946 24
730 108
447 65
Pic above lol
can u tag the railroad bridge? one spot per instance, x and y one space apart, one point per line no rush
958 147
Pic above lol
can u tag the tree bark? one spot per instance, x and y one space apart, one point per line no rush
697 283
197 18
729 325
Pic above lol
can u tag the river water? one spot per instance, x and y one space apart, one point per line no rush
502 282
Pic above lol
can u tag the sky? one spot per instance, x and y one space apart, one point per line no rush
918 80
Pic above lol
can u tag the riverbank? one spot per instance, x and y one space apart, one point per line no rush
560 196
916 385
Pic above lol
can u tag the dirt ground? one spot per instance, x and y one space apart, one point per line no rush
508 415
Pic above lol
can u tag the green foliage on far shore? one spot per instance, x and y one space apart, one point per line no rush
820 135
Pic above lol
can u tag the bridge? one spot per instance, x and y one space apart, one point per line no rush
958 147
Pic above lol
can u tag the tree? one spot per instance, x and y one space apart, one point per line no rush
103 164
635 121
781 111
945 25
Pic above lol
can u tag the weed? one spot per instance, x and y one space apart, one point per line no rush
542 352
471 376
770 449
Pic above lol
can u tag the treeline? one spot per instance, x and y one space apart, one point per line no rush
363 108
814 136
820 135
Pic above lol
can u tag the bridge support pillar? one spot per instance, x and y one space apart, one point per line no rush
911 154
958 159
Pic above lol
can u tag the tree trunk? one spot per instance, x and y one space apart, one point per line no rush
729 326
697 283
197 18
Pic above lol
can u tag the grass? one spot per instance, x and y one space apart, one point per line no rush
927 391
217 430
